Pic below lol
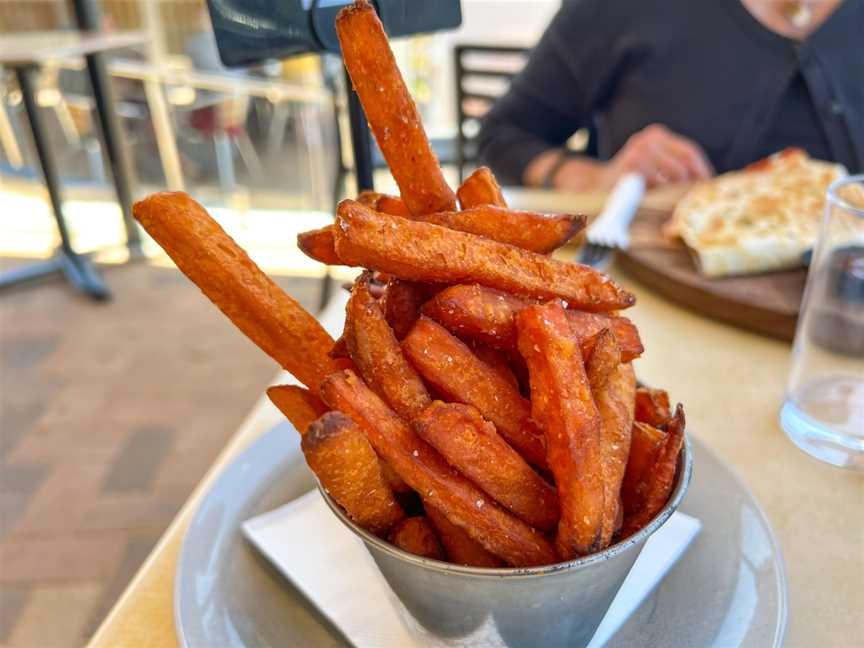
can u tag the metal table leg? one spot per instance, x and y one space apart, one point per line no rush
361 139
76 268
115 148
87 16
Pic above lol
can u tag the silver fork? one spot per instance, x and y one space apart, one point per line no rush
611 229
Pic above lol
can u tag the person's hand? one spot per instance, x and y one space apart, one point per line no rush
662 157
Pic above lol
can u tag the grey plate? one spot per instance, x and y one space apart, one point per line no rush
729 589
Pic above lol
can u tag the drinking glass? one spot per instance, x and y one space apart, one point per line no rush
823 410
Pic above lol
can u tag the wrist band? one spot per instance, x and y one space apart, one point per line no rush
549 178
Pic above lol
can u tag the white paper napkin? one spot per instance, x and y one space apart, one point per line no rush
330 565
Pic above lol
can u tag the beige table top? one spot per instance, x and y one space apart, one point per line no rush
731 383
41 47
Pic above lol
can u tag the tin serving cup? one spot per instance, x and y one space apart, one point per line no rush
553 605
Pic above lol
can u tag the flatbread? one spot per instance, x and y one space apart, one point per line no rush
759 219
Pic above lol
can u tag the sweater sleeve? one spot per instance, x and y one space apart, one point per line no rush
568 76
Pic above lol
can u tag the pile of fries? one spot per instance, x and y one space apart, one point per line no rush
481 406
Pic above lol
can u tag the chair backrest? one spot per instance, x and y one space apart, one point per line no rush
483 73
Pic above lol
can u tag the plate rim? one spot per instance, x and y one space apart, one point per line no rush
254 448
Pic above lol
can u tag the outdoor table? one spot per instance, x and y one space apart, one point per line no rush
26 53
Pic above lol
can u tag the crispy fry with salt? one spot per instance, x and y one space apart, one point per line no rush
426 471
652 406
602 359
496 360
298 404
377 354
348 469
645 444
626 334
391 112
661 477
480 188
542 233
460 548
231 280
480 313
562 405
614 399
470 443
416 535
340 348
320 245
401 304
451 368
434 254
392 205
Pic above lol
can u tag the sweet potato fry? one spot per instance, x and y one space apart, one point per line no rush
497 362
434 254
601 360
299 405
340 348
391 112
392 205
460 548
401 304
395 481
348 469
450 367
527 230
626 334
661 478
562 404
470 443
426 471
480 188
614 399
380 279
231 280
645 444
417 536
479 313
320 245
377 354
369 198
652 406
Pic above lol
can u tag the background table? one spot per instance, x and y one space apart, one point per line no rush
26 53
732 384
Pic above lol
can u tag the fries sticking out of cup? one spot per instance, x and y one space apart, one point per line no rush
481 406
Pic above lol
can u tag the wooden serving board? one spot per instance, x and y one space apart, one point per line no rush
766 303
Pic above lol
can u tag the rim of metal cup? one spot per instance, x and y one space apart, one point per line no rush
684 473
838 200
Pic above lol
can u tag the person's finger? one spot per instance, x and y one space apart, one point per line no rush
691 155
650 170
669 165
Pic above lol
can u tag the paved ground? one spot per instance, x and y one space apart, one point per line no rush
109 415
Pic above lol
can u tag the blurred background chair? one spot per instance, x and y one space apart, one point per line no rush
483 74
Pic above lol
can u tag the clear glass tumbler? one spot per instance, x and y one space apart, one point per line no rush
823 411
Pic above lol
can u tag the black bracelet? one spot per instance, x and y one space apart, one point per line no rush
549 178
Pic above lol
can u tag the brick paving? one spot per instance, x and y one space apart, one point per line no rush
109 416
